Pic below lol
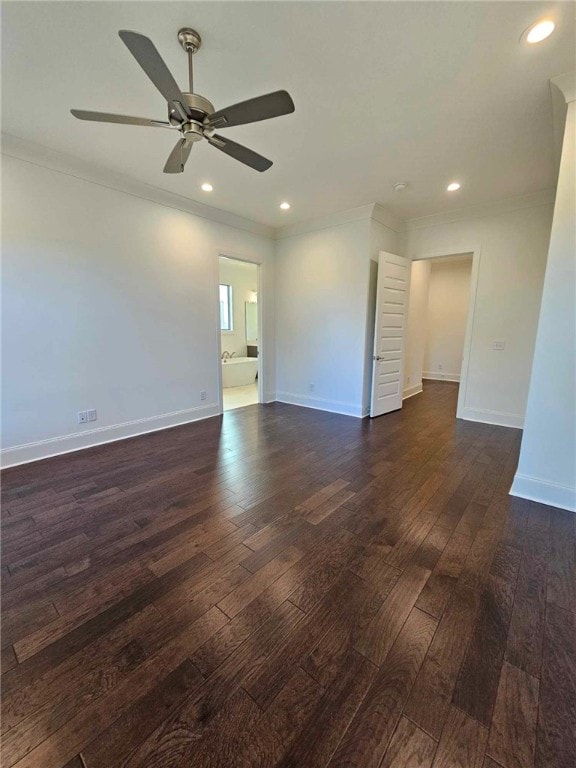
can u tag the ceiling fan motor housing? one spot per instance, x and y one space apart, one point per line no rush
199 106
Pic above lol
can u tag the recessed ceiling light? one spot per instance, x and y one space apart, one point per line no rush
538 32
453 187
207 187
285 206
400 186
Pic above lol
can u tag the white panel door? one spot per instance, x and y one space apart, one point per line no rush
389 333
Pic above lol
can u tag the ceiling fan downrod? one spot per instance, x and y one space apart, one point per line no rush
191 41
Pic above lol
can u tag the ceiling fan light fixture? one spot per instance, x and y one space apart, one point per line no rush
538 32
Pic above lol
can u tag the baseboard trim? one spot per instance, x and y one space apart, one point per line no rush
56 446
435 376
498 418
411 391
320 404
544 492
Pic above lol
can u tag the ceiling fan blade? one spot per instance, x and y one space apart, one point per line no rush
145 53
260 108
241 153
106 117
178 157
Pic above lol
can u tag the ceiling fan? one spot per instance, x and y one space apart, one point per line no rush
188 112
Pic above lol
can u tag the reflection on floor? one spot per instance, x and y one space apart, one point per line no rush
236 397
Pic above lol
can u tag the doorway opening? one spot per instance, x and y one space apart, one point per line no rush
439 322
238 297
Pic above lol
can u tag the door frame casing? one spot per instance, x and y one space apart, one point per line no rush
226 254
476 252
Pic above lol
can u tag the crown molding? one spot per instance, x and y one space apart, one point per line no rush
37 154
372 211
377 212
534 200
566 83
362 213
388 219
562 92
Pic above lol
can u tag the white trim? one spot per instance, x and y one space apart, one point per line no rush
566 84
559 112
411 391
55 446
476 251
362 213
437 376
37 154
218 340
544 492
387 218
372 211
320 404
226 254
534 200
498 418
69 165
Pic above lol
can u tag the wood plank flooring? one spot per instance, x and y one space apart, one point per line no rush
285 587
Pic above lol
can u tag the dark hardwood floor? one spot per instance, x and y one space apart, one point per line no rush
285 587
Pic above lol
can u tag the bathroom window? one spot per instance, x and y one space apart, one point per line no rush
225 307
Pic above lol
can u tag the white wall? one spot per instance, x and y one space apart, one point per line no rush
513 245
321 305
416 327
448 301
243 278
547 466
326 275
109 302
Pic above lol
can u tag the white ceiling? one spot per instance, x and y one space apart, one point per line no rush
424 92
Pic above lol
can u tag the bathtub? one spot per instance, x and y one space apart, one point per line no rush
239 371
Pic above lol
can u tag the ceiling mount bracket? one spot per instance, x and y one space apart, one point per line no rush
189 39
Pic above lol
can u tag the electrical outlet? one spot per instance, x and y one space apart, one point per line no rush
440 367
498 345
203 395
91 414
312 386
82 417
